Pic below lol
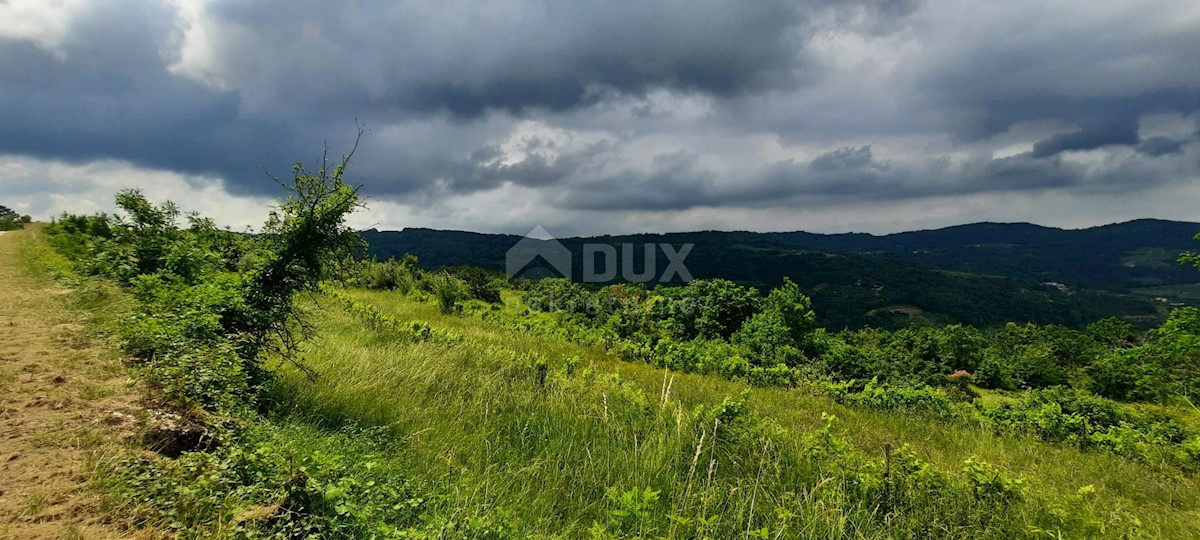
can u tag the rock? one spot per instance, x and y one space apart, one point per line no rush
171 435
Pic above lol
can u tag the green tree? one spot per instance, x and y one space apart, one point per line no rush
1177 343
305 239
10 220
1128 374
781 331
449 291
961 347
1113 332
713 308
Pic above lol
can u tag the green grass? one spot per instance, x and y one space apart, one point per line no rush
511 434
472 420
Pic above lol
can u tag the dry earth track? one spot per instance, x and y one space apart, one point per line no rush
63 397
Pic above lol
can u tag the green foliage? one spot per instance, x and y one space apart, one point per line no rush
1112 332
927 277
917 370
10 220
1125 374
989 484
449 291
389 275
479 283
559 294
285 481
631 512
415 331
779 333
305 238
1191 258
1090 422
922 400
425 424
767 336
212 379
210 303
1176 350
1167 366
712 308
995 373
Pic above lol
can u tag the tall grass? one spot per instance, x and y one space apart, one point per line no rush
590 446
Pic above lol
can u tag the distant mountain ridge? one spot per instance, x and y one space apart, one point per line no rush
980 273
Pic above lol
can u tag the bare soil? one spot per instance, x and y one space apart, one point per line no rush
64 397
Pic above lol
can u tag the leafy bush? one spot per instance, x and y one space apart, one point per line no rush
712 308
560 295
449 291
10 220
389 275
1090 422
479 283
876 395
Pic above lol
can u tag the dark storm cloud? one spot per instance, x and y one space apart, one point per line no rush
467 58
664 95
1099 73
484 169
673 181
679 181
283 75
1122 133
842 158
107 94
1160 146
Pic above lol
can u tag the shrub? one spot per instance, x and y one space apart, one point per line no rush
990 485
1127 374
479 283
712 309
449 292
10 220
876 395
389 275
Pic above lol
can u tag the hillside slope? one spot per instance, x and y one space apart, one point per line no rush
983 274
408 418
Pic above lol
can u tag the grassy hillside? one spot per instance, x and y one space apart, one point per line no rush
473 417
286 403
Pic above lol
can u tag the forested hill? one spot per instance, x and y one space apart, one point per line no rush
1115 257
983 274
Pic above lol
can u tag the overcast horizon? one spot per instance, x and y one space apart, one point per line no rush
620 117
547 234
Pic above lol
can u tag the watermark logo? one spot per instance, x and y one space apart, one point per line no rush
540 255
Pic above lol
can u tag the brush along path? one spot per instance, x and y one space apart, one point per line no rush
62 395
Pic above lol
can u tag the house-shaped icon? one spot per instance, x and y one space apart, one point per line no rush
538 255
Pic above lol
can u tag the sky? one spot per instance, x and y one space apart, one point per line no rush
612 117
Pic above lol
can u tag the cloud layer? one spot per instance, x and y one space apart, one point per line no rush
618 116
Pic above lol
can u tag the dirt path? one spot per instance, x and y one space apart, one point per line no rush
59 390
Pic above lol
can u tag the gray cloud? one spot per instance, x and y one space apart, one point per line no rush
664 106
106 93
1101 72
678 181
842 159
1123 133
466 58
1160 146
